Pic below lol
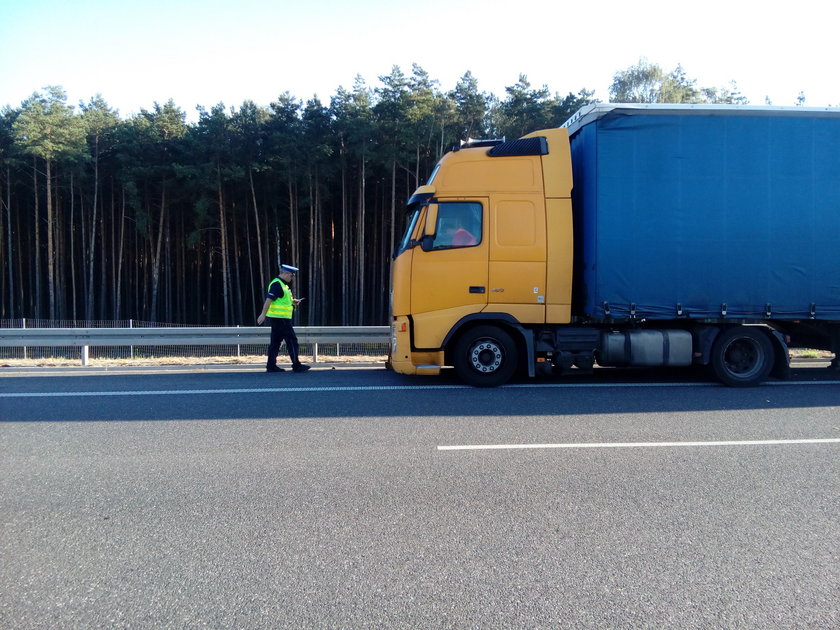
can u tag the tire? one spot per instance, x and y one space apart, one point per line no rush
742 356
485 356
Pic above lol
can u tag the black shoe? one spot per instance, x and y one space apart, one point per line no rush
274 368
300 367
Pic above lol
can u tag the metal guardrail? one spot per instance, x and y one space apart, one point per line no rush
85 338
188 336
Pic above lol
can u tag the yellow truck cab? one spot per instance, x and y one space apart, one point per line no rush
476 251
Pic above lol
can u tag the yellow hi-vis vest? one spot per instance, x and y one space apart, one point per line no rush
281 307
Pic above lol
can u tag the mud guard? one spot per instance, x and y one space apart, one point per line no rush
781 363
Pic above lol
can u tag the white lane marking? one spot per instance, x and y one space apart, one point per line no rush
491 447
377 388
248 390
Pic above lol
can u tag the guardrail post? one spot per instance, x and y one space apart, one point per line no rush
131 325
315 352
23 325
85 356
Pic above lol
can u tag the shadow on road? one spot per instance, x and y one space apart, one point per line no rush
347 393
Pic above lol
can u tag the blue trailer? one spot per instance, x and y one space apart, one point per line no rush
707 212
708 216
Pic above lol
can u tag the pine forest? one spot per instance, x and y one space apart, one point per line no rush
156 219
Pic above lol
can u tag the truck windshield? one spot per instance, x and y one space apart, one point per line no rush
432 176
413 214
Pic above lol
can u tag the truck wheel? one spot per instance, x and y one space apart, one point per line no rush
485 356
742 356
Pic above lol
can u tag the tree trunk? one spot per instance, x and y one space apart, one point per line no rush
312 282
107 311
293 228
92 250
198 298
10 266
360 254
209 276
103 267
156 254
72 257
223 236
345 249
393 198
118 276
144 276
187 311
50 243
36 288
58 250
257 224
236 278
250 258
319 312
167 270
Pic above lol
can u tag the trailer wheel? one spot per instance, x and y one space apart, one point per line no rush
742 356
485 356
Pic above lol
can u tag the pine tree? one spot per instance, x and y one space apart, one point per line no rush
47 129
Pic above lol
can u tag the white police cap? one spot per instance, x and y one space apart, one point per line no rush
288 268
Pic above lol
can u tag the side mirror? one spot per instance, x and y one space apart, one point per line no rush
427 243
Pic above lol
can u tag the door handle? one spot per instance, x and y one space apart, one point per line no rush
477 289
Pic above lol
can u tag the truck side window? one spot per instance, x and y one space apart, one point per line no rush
459 224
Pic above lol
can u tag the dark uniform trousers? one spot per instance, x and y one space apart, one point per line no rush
282 330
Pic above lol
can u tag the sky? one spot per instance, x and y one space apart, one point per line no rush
139 52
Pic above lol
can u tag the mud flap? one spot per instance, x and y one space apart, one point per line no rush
781 355
530 353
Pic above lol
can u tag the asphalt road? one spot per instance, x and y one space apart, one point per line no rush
358 498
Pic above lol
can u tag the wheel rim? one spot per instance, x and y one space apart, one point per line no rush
742 357
486 356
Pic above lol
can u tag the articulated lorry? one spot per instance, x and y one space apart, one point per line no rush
634 235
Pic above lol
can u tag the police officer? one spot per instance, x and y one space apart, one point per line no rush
278 308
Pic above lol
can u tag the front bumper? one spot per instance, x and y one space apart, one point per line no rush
403 360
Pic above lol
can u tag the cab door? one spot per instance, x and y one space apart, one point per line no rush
517 268
449 269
